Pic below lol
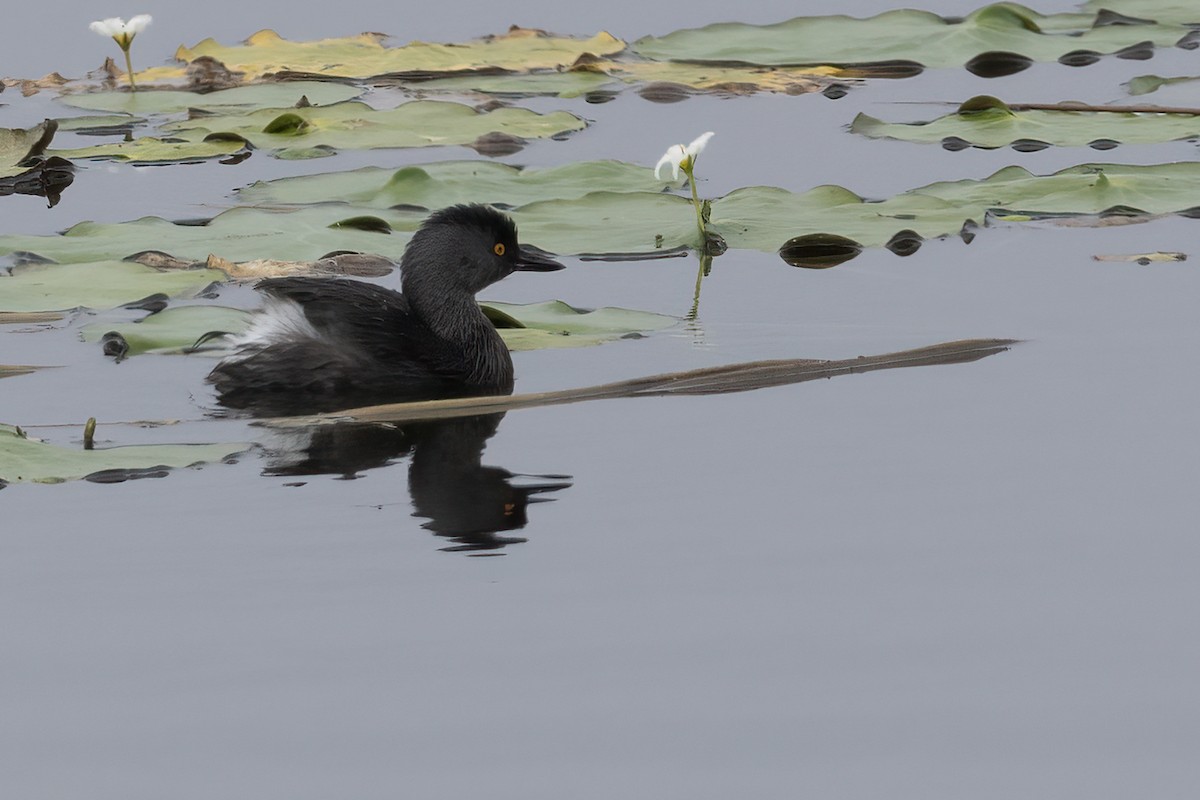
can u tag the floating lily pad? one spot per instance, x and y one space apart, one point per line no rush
355 125
987 122
647 223
907 35
27 460
555 324
163 101
445 183
366 55
1178 12
102 284
17 145
172 330
239 234
149 150
523 327
572 83
100 125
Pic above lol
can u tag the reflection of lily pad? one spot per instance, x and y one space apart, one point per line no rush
355 125
28 460
449 182
988 123
366 56
908 35
102 284
271 95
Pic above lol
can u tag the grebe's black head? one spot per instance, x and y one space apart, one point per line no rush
467 248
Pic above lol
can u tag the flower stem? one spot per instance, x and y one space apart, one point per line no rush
696 205
129 69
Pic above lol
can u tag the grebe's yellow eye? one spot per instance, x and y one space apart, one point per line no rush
498 248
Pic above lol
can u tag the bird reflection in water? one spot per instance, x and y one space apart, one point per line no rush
471 504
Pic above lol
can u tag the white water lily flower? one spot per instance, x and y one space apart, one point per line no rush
121 31
679 157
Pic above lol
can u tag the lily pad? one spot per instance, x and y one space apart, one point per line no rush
445 183
571 83
648 223
987 122
239 234
1178 12
23 459
149 150
554 324
173 330
17 145
101 284
534 326
366 55
164 101
355 125
905 35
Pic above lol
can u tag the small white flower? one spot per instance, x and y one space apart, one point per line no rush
680 157
121 31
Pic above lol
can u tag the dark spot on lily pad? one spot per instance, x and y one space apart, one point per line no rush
1079 58
498 143
997 64
1103 144
819 250
1029 145
955 144
1142 51
905 243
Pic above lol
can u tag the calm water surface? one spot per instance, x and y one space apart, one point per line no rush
973 581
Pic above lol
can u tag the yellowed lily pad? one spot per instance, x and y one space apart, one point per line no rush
367 55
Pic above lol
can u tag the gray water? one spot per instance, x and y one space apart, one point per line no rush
969 581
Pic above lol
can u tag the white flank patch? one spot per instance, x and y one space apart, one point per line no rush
279 320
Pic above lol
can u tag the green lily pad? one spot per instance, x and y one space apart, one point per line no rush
908 35
355 125
173 330
987 122
102 284
164 101
27 460
646 223
149 150
239 234
366 56
554 324
105 125
446 183
523 327
1181 91
1178 12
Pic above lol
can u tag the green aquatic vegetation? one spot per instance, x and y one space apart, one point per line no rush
28 460
1176 12
150 150
533 326
367 56
353 125
638 222
444 183
163 101
989 123
907 35
98 284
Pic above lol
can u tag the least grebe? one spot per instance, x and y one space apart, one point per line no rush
322 344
